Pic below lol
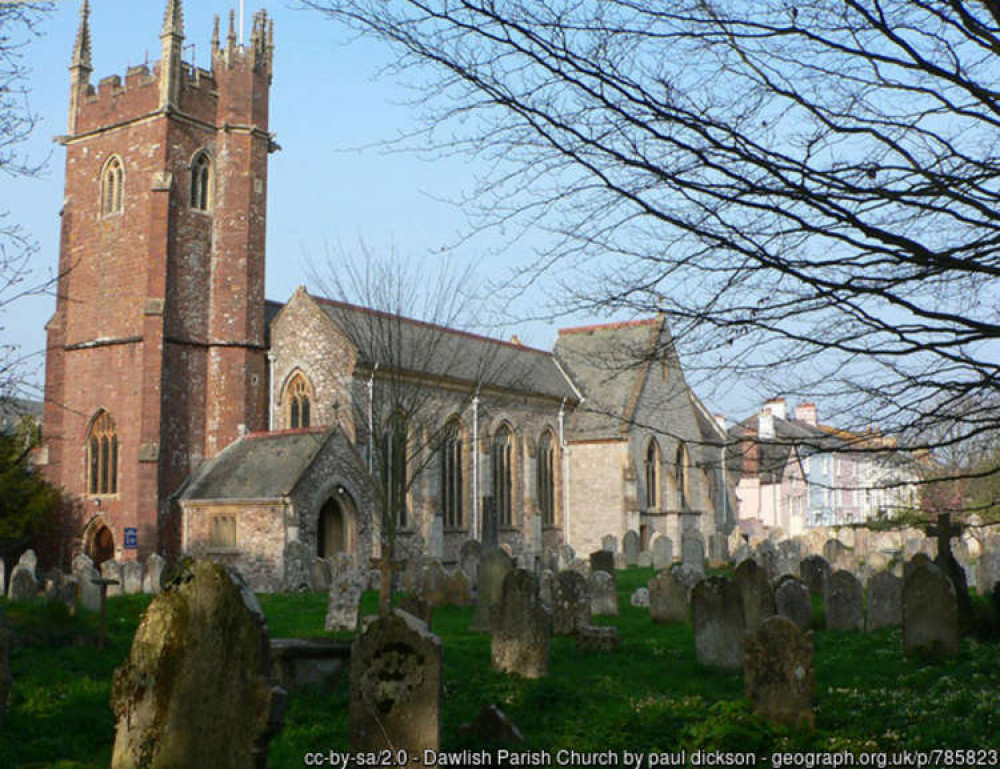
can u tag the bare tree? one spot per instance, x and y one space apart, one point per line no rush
808 189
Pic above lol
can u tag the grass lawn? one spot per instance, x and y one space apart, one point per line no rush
650 697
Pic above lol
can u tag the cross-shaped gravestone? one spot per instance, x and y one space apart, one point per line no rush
944 530
103 584
386 566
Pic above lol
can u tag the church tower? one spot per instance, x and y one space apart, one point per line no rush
155 355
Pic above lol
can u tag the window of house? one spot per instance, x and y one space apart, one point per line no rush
201 182
298 397
394 468
503 476
451 476
546 479
112 186
223 531
102 455
651 465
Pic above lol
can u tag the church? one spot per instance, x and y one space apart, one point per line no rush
187 414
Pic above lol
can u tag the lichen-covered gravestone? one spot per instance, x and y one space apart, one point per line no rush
640 598
570 603
343 601
522 628
778 672
298 567
395 687
885 601
792 600
844 602
469 555
493 567
321 574
667 599
930 612
603 596
152 583
195 689
433 585
755 593
718 623
113 570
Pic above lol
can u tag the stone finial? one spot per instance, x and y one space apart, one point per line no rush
173 19
81 48
215 34
231 37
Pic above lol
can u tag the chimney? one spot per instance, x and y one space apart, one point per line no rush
776 406
806 412
750 448
765 425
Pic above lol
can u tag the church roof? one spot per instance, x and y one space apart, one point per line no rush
258 466
427 349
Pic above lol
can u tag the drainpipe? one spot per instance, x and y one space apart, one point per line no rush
565 464
371 421
270 391
475 464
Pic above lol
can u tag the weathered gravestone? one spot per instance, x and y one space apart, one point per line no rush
844 602
693 550
837 554
609 542
885 601
570 603
988 568
755 593
792 600
778 672
23 585
667 599
433 585
630 547
469 555
457 589
602 560
597 638
321 575
930 612
663 553
522 628
416 606
493 567
395 687
603 596
789 554
131 577
88 592
718 623
113 570
815 572
766 556
686 576
640 598
29 561
343 601
195 689
546 581
152 583
566 555
298 567
645 559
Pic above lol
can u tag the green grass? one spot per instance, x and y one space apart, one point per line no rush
650 696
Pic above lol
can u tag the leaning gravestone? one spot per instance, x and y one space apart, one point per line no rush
195 689
778 672
493 567
603 596
755 593
469 555
23 585
718 623
885 601
152 583
113 570
844 602
570 603
609 542
667 599
630 547
522 628
343 601
131 577
663 553
792 600
298 567
693 550
602 560
815 572
396 687
930 612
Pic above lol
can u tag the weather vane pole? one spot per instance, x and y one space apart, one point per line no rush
241 22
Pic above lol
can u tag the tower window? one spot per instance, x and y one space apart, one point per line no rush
298 395
201 182
102 455
112 186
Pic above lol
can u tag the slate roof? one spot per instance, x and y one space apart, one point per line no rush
774 452
13 410
428 349
259 466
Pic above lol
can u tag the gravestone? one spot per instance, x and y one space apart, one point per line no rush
687 576
522 628
663 553
416 606
80 561
321 575
89 594
546 581
29 561
988 568
493 567
630 547
930 612
755 593
603 596
844 602
566 555
597 638
298 567
640 598
717 613
23 585
815 572
693 550
469 555
113 570
837 554
458 589
570 603
778 672
609 542
152 583
667 599
766 556
343 601
131 577
645 559
789 554
580 566
602 560
885 601
395 687
195 689
433 584
792 600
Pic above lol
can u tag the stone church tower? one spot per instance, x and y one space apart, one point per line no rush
156 352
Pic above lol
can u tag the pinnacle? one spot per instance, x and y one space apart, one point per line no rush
173 19
81 48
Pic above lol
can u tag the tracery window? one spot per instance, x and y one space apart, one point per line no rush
682 474
451 475
546 479
112 186
102 455
503 476
651 466
298 397
201 182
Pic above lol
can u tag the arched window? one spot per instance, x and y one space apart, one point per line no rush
547 479
112 186
451 475
394 468
503 476
682 467
102 455
298 397
201 182
651 465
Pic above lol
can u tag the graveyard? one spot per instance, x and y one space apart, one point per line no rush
659 688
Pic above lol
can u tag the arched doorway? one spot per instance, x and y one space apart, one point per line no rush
335 526
100 543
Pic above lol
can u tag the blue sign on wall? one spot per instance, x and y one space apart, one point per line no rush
131 538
